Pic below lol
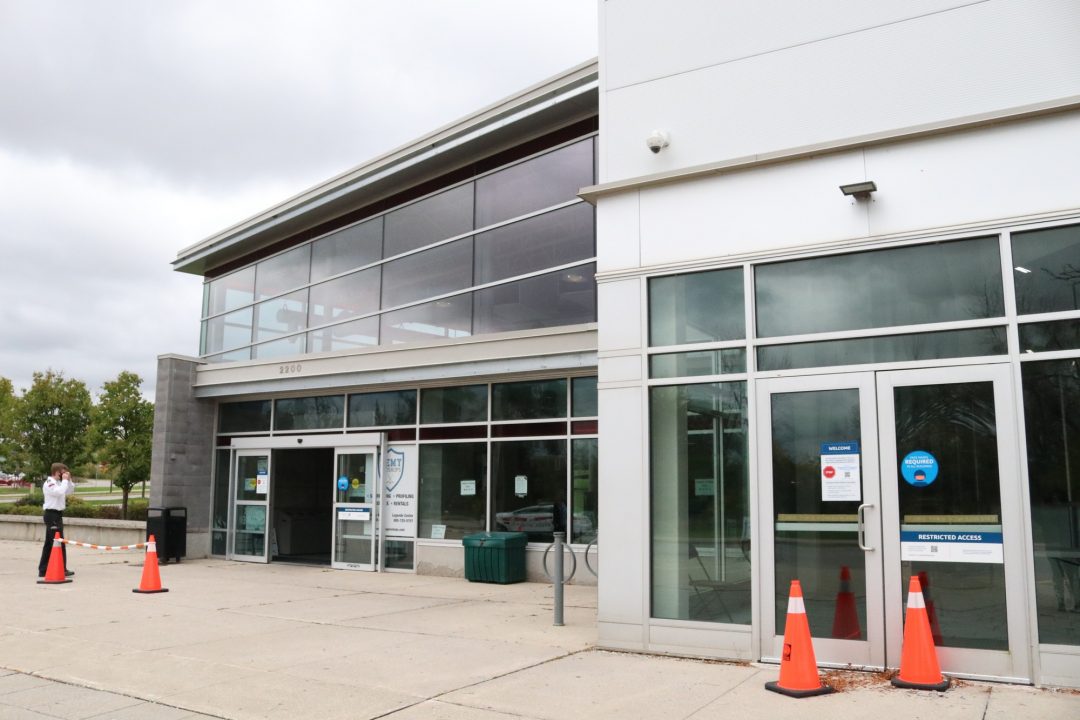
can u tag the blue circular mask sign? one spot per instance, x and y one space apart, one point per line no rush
919 468
343 483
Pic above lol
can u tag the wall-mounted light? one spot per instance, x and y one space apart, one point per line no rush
859 190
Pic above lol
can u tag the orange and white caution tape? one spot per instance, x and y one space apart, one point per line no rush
136 546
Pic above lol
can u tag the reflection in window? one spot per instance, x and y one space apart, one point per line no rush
1049 336
232 291
556 238
281 316
528 400
466 403
378 409
249 416
346 336
344 297
220 517
285 347
584 488
437 271
1052 418
700 503
890 348
1047 269
227 331
583 394
447 318
438 217
534 184
701 362
566 297
528 480
310 413
698 307
283 272
938 282
351 247
453 489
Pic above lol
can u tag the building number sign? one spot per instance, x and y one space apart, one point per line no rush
290 369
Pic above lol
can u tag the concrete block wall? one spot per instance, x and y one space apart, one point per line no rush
182 463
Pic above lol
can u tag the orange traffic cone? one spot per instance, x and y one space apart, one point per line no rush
54 573
798 668
919 667
845 624
151 580
931 613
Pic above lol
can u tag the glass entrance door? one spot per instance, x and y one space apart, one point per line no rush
952 511
869 478
251 505
356 505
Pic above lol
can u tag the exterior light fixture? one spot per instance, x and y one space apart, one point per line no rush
859 190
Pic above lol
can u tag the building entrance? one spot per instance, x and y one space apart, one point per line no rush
300 506
869 478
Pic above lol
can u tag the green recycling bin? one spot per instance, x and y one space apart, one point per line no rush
495 557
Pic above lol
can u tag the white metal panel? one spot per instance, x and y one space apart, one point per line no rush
618 308
1001 171
977 59
618 240
625 368
623 490
697 33
770 207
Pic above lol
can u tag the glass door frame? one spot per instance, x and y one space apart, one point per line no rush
870 652
1013 665
234 502
372 504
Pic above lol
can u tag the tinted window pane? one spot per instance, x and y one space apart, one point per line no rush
344 297
433 272
437 218
281 315
446 318
700 503
1052 418
552 239
584 397
292 345
705 362
467 403
346 249
1046 336
282 272
251 416
396 407
220 520
311 413
584 489
940 282
453 432
700 307
1047 269
529 400
534 184
232 291
532 429
453 489
232 356
346 336
894 348
528 480
227 331
566 297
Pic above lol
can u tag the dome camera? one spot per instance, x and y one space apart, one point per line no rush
657 141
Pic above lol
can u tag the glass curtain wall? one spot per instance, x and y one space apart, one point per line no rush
510 250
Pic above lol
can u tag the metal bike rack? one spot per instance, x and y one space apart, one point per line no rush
594 543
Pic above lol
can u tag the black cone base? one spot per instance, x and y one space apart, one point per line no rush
52 582
149 592
940 687
775 687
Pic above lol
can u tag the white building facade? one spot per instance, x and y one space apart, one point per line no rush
844 386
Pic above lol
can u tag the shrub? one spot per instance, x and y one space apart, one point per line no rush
137 508
35 499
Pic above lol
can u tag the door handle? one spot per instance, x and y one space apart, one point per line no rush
862 526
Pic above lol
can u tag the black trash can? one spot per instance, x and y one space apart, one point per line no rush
169 528
495 557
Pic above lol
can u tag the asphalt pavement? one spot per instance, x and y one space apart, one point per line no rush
239 640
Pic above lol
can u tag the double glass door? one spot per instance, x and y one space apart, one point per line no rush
870 478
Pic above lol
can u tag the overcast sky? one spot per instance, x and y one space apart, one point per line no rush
130 129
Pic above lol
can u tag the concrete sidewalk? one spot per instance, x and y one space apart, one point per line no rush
234 640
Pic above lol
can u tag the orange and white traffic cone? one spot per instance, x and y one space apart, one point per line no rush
151 579
919 669
931 613
54 573
798 668
845 624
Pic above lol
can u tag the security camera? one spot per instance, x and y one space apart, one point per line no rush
657 141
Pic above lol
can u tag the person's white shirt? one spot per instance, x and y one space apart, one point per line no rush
56 492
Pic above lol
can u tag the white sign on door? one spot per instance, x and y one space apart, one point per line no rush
840 473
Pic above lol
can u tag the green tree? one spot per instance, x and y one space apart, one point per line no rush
123 428
51 419
12 458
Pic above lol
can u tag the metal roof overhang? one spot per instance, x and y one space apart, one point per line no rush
560 101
